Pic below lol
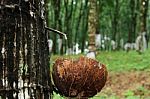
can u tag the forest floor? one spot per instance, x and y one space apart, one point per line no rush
126 85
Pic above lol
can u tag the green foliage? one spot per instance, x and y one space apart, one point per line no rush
105 97
71 17
142 91
123 61
133 97
57 96
128 93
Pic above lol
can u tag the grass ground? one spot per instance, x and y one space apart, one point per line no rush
129 76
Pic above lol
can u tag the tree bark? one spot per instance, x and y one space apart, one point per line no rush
115 20
92 23
143 20
144 10
24 63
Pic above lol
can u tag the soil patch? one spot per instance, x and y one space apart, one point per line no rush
122 83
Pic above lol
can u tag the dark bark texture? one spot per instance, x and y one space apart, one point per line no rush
24 60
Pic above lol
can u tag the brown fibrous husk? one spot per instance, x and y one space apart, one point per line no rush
84 77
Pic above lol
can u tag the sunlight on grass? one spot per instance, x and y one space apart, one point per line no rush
121 61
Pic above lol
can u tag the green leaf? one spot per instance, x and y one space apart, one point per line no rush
129 93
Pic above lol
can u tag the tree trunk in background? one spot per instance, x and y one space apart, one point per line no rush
24 61
68 16
132 25
115 20
144 10
85 26
92 23
79 22
56 6
99 9
143 24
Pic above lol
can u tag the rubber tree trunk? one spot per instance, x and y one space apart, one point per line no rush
115 20
24 61
143 18
144 10
92 23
